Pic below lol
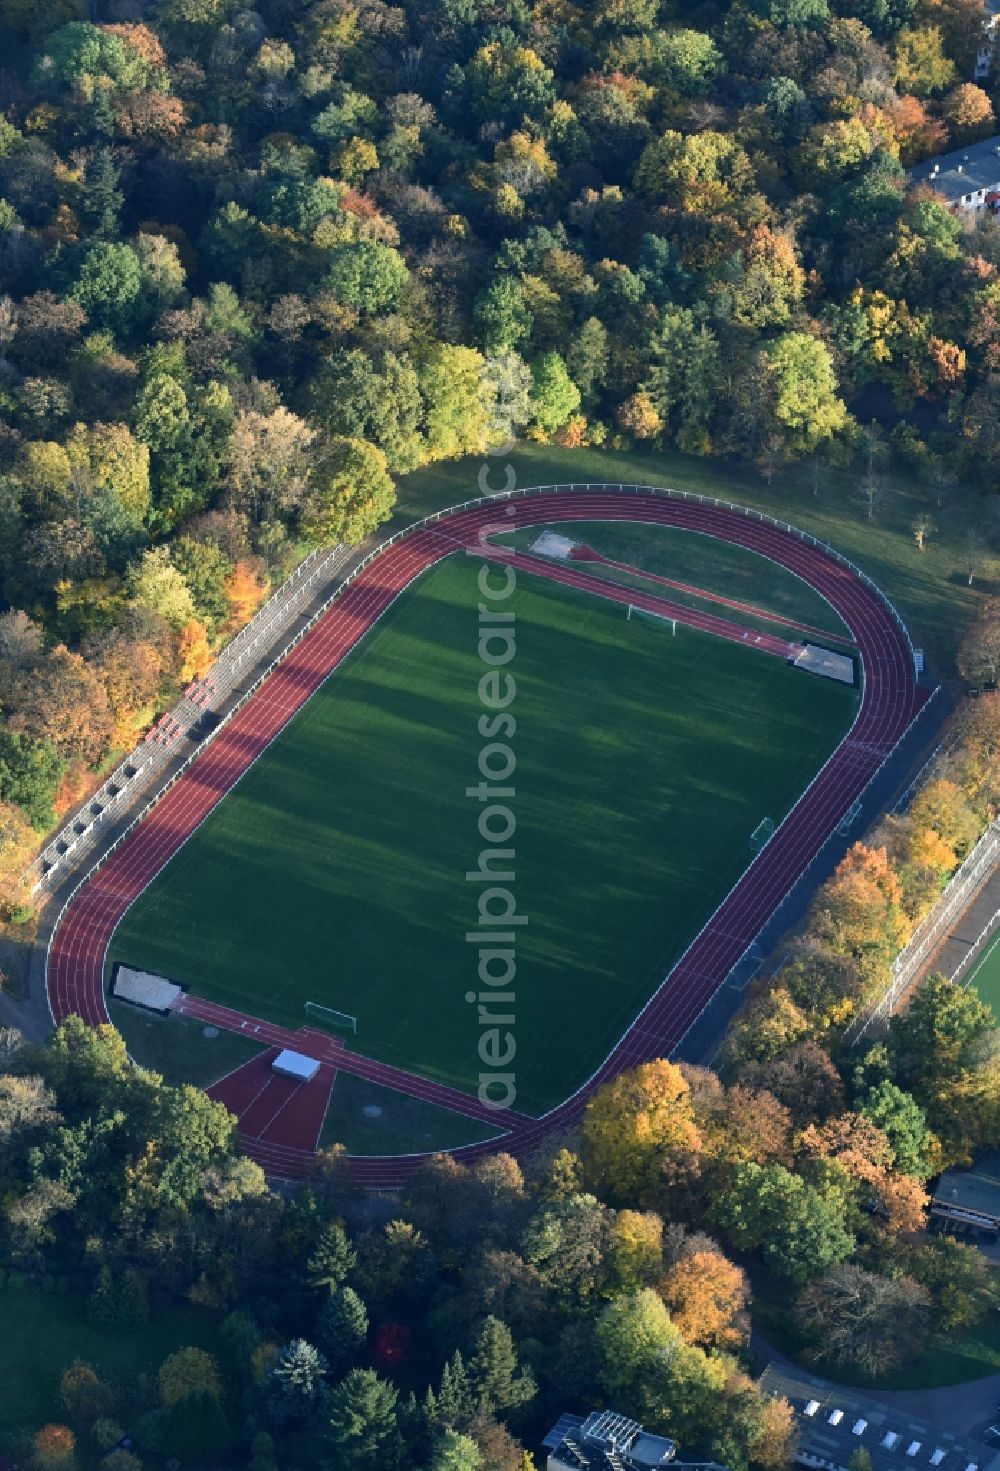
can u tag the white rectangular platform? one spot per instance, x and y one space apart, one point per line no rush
551 544
142 988
826 663
295 1065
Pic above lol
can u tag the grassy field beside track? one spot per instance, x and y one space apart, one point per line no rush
929 587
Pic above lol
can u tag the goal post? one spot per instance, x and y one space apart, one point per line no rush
762 834
849 818
649 613
326 1016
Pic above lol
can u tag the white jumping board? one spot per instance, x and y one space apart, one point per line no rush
295 1065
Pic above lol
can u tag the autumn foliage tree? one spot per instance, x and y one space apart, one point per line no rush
194 654
859 912
707 1297
54 1447
638 1131
246 589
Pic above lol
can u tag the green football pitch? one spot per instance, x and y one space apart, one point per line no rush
335 872
984 976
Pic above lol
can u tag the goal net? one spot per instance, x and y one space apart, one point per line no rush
634 609
762 833
337 1021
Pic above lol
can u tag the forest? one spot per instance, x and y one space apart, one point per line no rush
256 265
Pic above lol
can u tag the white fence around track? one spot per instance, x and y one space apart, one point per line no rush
933 929
81 834
500 497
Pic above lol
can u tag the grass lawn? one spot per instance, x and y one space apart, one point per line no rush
335 872
176 1046
985 976
949 1358
953 1358
403 1125
44 1333
699 561
929 588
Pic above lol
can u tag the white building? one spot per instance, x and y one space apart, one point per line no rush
968 179
984 59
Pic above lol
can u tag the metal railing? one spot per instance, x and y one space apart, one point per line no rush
919 950
81 834
988 930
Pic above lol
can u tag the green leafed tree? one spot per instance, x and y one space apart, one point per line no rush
363 1423
503 318
351 494
30 773
644 1362
806 402
196 1430
157 584
904 1124
108 284
456 404
454 1452
342 1328
493 1367
367 275
332 1259
797 1229
555 398
356 397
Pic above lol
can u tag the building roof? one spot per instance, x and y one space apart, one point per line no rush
833 1422
976 1190
977 166
606 1441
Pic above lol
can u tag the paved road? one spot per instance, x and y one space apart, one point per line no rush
966 1409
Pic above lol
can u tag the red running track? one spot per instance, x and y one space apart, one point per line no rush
326 1048
891 700
277 1113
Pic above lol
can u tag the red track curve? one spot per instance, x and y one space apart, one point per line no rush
891 699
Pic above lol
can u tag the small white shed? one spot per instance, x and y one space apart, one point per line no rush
295 1065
